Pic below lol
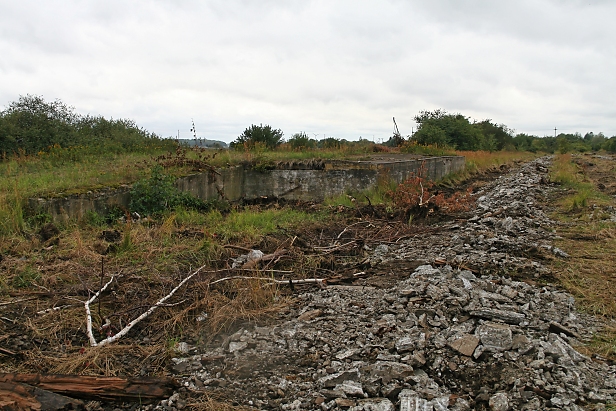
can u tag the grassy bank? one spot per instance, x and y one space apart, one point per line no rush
585 208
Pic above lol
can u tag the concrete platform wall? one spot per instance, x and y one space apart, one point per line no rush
237 183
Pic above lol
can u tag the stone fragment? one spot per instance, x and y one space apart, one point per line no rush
494 336
461 405
417 359
391 391
509 317
499 402
557 328
236 346
405 344
562 346
350 388
519 341
347 353
345 402
310 315
330 381
440 403
374 404
332 394
388 370
182 347
465 344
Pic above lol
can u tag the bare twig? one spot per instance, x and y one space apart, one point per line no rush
319 281
331 249
49 310
17 301
237 247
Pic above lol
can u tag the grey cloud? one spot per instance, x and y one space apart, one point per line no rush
341 67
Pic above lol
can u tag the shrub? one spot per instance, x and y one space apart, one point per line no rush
32 125
417 197
158 193
301 141
260 134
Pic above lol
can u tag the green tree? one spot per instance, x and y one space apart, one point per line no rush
431 134
460 133
523 142
256 135
609 145
33 124
301 141
330 142
499 133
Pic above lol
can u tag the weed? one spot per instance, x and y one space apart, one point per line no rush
94 219
158 193
26 277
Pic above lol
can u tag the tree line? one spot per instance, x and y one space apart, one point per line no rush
441 129
32 125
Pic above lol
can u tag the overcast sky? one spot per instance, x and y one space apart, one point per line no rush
335 68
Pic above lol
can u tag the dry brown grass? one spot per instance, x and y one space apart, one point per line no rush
210 402
589 237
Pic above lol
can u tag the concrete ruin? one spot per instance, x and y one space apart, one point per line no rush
312 180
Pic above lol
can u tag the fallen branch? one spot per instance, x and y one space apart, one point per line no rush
319 281
131 324
50 310
17 301
333 248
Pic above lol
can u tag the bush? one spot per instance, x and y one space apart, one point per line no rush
158 193
32 125
417 197
256 135
301 141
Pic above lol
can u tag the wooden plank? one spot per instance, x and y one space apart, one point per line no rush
98 388
18 397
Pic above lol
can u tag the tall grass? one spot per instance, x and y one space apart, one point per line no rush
567 173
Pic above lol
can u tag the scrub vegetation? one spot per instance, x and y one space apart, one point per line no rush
587 232
48 150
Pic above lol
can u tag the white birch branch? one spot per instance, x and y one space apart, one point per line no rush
89 315
131 324
319 281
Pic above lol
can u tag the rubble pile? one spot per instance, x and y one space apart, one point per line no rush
445 338
507 233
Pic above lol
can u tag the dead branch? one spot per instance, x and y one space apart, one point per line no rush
351 225
14 396
237 247
50 310
319 281
17 301
331 249
132 323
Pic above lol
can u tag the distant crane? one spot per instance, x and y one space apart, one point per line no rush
397 138
396 131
